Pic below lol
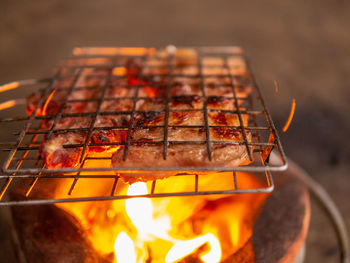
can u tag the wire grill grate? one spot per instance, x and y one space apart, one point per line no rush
49 189
24 162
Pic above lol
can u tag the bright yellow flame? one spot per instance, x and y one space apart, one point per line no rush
124 249
234 229
184 248
214 255
155 225
140 212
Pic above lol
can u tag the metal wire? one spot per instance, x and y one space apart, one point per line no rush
267 186
23 161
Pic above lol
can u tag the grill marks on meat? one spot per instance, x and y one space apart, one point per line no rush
232 153
189 101
142 153
186 103
149 118
52 151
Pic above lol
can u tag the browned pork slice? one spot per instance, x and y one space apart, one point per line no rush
187 146
190 91
87 86
55 155
232 153
63 149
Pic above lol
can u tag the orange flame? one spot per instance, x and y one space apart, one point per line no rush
48 101
290 118
141 213
141 229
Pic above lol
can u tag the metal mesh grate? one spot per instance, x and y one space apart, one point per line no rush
142 75
67 188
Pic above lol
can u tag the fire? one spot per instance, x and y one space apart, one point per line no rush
174 229
126 249
184 248
140 211
48 101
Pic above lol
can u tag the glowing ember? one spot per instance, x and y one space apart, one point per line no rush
151 92
290 118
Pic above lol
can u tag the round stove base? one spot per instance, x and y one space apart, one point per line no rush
280 232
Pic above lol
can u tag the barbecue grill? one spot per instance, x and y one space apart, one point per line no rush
24 172
23 162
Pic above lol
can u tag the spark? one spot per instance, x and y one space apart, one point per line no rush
276 86
9 86
290 118
7 104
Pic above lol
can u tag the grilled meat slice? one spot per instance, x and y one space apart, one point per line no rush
146 149
232 153
109 127
52 150
186 105
55 155
88 86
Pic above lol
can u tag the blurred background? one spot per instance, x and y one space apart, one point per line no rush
303 45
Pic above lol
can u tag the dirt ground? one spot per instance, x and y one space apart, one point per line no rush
304 45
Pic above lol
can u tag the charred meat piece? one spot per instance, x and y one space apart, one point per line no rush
88 86
146 155
190 92
113 130
52 151
146 149
55 155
